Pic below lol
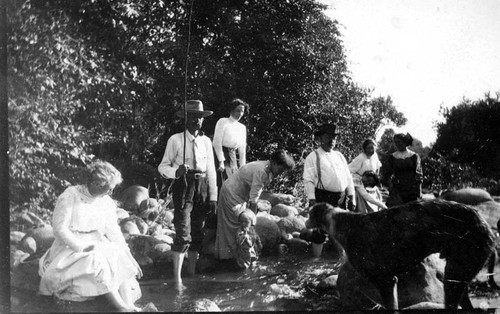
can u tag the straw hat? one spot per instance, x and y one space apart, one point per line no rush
194 107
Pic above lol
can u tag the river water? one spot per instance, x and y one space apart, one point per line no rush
274 283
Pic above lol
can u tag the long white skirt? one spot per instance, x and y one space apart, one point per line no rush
79 276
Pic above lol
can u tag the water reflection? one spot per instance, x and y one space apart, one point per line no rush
272 284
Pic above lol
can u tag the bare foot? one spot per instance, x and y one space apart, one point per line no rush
179 286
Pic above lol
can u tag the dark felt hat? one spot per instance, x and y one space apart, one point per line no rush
328 128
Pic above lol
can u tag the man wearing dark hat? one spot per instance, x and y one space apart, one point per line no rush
194 185
327 179
326 174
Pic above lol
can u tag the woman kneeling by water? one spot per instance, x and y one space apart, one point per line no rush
241 191
89 256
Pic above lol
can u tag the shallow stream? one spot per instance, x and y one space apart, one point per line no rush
277 283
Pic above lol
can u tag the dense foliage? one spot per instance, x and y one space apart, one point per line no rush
470 134
104 79
467 149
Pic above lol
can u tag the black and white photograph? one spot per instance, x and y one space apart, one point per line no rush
249 155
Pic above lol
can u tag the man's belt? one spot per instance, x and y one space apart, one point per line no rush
194 174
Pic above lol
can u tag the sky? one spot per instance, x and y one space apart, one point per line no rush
423 53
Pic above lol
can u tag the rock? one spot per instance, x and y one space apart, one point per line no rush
164 238
43 236
144 261
121 214
132 197
150 307
28 245
264 206
328 283
282 290
428 196
24 219
469 196
127 225
291 224
297 246
269 233
129 228
277 198
203 305
148 249
17 257
282 210
269 216
490 211
16 237
421 284
149 209
425 306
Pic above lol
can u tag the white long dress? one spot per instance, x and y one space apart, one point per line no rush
79 219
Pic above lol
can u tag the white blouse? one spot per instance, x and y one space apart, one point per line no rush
79 219
232 134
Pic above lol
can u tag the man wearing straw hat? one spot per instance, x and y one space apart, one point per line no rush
189 160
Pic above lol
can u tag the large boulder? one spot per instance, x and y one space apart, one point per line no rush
291 224
277 198
269 233
296 246
132 197
469 196
148 249
422 284
282 210
43 236
28 245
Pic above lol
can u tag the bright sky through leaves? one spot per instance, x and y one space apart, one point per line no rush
423 53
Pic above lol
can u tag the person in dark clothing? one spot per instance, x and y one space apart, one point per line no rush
404 172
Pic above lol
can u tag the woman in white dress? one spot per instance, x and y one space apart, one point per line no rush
230 137
89 256
365 161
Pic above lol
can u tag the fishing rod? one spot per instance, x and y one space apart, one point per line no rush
186 79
